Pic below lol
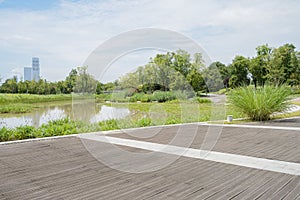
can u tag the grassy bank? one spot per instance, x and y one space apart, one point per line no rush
23 103
53 128
15 108
142 115
33 98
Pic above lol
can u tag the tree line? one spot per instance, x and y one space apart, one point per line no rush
180 71
169 71
78 81
270 65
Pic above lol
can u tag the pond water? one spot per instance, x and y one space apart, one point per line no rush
89 112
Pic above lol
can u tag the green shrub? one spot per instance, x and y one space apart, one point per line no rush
57 127
110 124
259 104
120 97
6 134
184 95
100 98
136 97
163 96
144 122
173 121
223 91
140 97
24 132
202 100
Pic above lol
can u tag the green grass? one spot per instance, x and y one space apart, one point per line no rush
54 128
24 103
180 111
259 104
32 98
144 114
16 108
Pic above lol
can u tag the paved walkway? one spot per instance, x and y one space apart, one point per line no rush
246 162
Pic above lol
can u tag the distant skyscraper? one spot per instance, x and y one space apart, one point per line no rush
35 69
32 73
27 73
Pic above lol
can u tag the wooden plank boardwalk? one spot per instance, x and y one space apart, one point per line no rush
64 169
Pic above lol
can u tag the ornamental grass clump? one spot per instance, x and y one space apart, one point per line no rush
260 103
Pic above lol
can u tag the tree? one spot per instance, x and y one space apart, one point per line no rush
53 88
171 71
239 71
10 86
163 64
70 81
22 87
259 64
214 76
198 61
130 80
196 80
181 61
283 65
85 83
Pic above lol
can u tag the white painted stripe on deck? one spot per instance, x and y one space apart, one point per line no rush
239 160
254 126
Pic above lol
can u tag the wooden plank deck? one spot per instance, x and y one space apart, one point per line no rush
264 143
64 169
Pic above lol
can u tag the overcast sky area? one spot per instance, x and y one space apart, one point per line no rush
63 33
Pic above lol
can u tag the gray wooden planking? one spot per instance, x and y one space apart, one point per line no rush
265 143
63 169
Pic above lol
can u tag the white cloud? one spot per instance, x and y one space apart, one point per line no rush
66 34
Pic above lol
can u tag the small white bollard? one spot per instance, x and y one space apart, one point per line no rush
229 118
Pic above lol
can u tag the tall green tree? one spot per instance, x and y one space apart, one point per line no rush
10 86
163 64
283 65
239 71
181 61
172 71
70 81
85 82
215 75
260 63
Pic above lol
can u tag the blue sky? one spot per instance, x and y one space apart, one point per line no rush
63 33
27 5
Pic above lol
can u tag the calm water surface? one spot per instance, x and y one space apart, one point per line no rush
89 112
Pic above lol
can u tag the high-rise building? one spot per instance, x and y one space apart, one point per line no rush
33 72
35 69
27 73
